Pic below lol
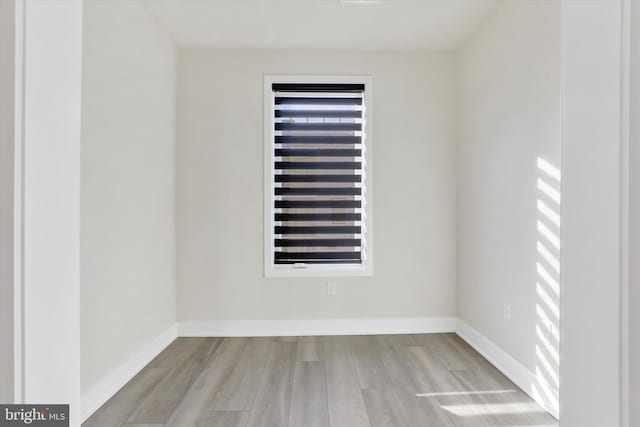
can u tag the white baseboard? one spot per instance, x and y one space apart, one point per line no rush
99 393
527 380
295 327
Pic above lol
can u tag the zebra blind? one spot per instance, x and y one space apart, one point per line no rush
318 175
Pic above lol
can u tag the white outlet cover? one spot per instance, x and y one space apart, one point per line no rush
331 288
507 311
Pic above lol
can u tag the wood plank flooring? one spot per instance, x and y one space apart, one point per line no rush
335 381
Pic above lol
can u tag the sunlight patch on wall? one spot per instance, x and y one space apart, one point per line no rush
548 246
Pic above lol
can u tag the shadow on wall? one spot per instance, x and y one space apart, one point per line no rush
548 284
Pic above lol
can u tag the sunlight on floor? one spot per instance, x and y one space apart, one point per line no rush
468 410
465 393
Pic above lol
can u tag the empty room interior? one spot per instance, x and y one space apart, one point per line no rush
336 213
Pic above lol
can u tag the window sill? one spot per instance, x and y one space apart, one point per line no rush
361 271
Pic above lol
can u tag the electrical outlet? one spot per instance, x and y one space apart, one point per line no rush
331 288
506 312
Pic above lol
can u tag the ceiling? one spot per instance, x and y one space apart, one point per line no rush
323 24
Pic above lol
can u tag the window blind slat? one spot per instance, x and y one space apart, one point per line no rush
281 100
348 114
319 178
338 229
318 191
318 165
319 152
318 217
317 262
318 204
316 139
316 255
346 127
302 243
317 87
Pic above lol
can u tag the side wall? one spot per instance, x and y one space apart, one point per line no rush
634 222
591 149
220 188
127 216
50 203
9 340
508 204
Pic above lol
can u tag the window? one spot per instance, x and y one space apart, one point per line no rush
318 179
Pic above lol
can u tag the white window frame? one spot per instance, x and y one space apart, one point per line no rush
317 270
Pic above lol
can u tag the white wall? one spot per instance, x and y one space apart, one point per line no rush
127 236
590 334
51 202
509 139
220 188
9 378
634 222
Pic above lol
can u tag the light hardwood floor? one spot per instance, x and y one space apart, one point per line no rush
339 381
